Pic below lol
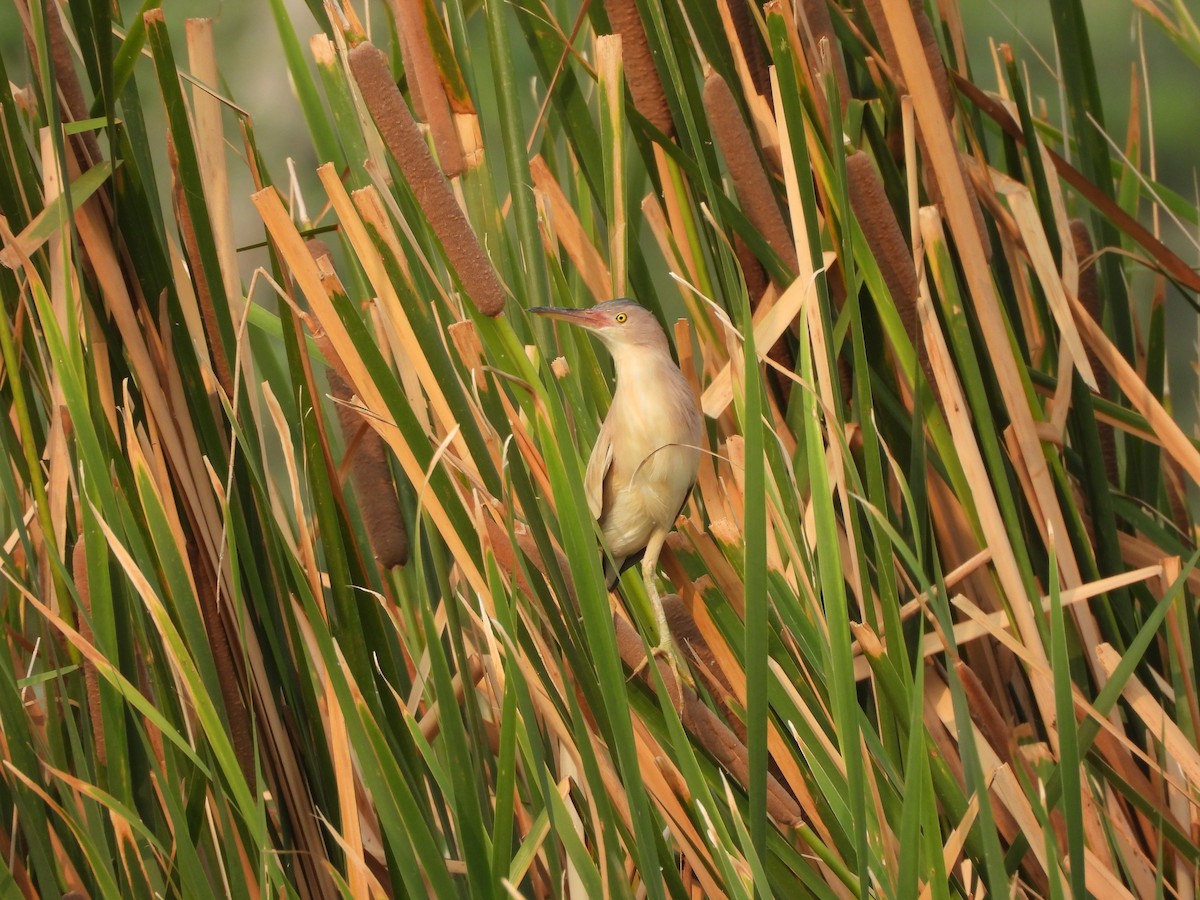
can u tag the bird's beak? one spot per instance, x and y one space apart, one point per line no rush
584 317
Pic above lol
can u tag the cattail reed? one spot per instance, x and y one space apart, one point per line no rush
426 83
1089 298
403 139
640 74
91 678
750 180
875 216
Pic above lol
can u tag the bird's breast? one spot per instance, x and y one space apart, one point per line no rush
657 432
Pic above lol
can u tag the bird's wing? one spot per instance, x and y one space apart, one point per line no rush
597 469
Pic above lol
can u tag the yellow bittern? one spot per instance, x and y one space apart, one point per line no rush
647 454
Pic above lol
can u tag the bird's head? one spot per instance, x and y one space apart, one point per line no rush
620 324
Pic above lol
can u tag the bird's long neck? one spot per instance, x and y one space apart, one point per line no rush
639 369
649 353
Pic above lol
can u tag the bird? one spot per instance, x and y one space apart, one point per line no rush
646 457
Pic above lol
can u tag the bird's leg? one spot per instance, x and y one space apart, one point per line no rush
666 641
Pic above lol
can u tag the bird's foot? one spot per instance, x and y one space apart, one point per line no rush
668 651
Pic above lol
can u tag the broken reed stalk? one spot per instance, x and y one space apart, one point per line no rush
425 79
403 139
91 678
869 203
191 247
640 74
750 181
1089 296
705 726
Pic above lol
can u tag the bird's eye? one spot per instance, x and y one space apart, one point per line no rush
621 317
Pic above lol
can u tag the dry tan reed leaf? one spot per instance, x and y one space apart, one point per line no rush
962 429
610 75
926 40
770 322
570 232
204 296
1160 725
708 729
749 61
1025 439
210 151
1164 256
181 446
750 181
1111 742
746 43
387 107
642 76
1025 214
668 789
61 290
991 623
304 269
367 210
1174 441
952 850
1010 805
426 83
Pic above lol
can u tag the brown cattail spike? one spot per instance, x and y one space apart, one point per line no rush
875 216
403 139
372 479
640 74
750 180
366 451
